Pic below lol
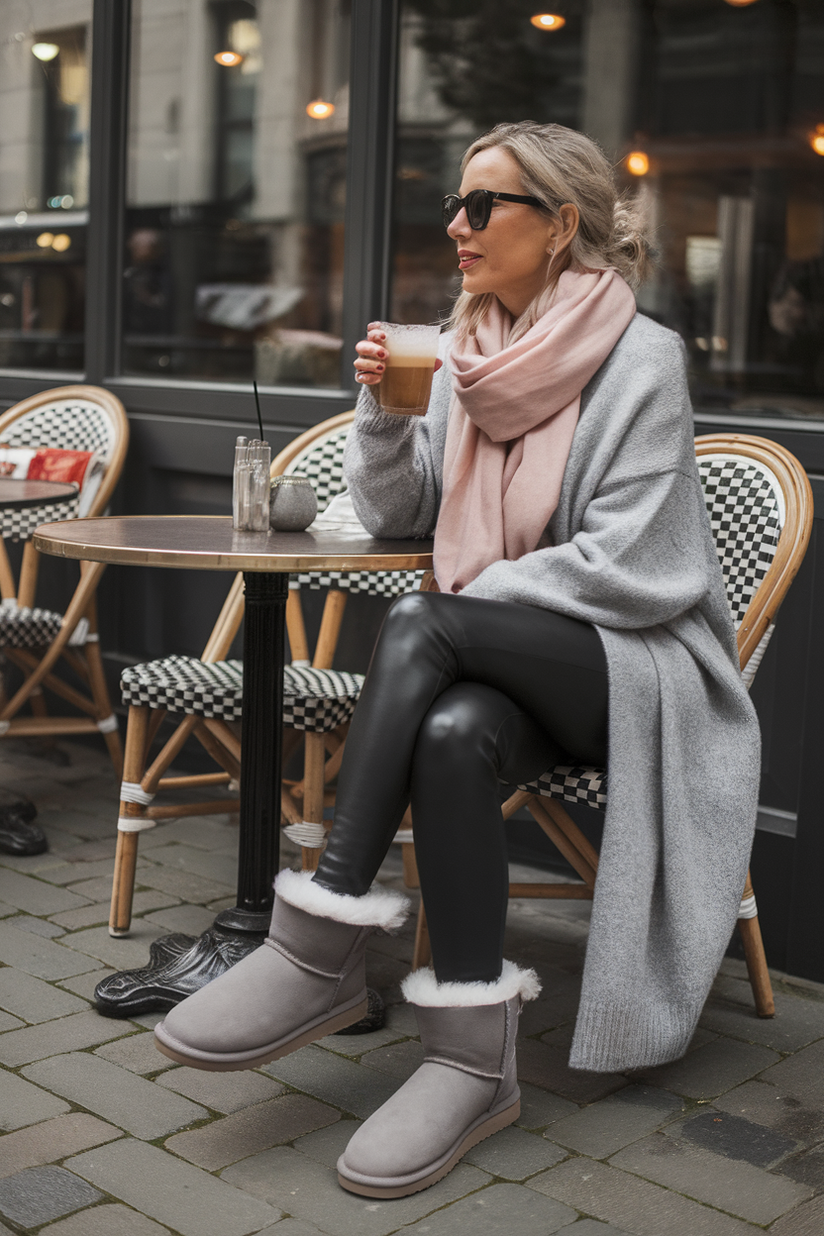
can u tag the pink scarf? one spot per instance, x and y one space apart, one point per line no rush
514 411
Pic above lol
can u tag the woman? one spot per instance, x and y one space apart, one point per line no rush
581 607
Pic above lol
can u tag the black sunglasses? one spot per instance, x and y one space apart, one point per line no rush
478 206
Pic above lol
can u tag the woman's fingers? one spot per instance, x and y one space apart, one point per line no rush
371 360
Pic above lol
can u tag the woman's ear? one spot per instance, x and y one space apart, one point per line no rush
562 230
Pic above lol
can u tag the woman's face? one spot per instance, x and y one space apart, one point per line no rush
510 257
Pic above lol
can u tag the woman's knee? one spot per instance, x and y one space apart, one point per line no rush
410 623
462 721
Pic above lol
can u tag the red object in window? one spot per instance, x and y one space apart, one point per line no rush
53 465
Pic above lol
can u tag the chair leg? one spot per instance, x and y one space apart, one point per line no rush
100 690
422 954
125 864
754 954
125 861
313 770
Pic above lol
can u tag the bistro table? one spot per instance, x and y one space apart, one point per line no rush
18 492
178 965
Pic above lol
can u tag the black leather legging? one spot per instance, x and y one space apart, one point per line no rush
461 694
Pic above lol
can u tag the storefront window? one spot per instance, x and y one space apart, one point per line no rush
44 179
236 188
720 103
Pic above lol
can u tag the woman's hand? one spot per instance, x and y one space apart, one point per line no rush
372 356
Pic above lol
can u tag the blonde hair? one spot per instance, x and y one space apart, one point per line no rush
560 166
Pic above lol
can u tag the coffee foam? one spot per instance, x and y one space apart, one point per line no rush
412 347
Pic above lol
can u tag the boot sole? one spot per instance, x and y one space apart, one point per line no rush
221 1064
493 1125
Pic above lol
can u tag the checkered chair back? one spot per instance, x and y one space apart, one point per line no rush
322 462
71 418
67 425
747 507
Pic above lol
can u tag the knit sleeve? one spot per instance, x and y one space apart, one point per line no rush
393 468
642 556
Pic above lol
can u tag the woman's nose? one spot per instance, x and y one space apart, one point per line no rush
459 225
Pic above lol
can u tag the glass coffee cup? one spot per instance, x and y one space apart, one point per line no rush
407 379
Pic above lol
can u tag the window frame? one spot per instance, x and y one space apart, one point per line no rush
367 236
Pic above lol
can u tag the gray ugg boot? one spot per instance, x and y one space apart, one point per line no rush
465 1090
307 980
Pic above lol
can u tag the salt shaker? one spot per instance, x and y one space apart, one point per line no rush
293 504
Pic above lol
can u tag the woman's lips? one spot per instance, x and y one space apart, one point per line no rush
466 260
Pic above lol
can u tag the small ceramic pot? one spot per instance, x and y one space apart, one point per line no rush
292 503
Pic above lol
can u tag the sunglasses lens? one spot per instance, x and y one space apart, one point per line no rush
477 209
450 207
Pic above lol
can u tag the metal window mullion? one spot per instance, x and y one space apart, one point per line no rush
369 170
111 31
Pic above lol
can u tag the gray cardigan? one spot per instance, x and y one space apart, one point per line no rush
629 550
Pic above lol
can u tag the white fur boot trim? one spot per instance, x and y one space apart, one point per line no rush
422 988
380 907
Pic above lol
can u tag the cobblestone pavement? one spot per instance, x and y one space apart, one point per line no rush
102 1136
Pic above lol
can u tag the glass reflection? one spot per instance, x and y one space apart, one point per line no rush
44 176
712 112
234 227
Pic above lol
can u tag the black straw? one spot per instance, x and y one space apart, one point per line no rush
257 405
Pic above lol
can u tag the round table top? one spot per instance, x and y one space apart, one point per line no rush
209 543
20 492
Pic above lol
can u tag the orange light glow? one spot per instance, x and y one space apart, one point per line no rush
817 143
45 240
228 59
61 242
319 110
740 4
548 21
637 163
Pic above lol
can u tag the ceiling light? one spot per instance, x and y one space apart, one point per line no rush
319 110
548 21
61 242
45 51
45 240
637 163
228 59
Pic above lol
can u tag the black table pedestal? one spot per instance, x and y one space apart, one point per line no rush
179 964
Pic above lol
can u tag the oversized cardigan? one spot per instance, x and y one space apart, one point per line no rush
629 549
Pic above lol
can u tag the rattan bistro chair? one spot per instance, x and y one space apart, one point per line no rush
77 418
761 509
318 701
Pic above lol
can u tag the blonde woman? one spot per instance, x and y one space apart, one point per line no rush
581 616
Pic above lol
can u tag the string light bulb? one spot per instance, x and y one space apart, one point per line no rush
61 242
637 163
548 21
45 51
228 59
817 139
319 109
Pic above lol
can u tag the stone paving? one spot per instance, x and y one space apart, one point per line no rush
102 1136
